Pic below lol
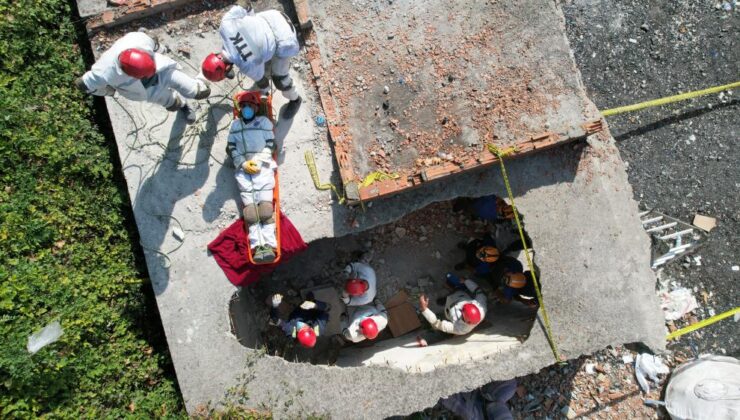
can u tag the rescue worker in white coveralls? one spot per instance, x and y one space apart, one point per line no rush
360 286
366 322
132 68
261 46
251 144
465 308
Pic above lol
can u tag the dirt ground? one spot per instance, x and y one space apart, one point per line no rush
681 162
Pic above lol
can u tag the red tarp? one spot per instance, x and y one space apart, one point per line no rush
230 251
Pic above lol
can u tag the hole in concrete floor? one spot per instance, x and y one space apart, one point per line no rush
412 254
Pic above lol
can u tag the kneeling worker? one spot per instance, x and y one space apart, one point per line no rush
518 286
305 322
366 323
464 308
360 287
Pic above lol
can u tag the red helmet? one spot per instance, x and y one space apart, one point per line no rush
306 336
470 313
214 67
356 287
369 328
137 63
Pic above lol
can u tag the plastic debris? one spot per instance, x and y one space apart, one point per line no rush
736 268
677 303
627 358
45 336
648 366
590 368
320 120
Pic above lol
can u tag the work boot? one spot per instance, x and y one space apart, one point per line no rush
263 254
291 108
190 112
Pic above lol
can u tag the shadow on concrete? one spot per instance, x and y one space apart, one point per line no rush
175 178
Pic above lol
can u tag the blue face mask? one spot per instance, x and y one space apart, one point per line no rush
247 113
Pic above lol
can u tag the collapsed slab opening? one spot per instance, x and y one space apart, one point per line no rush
411 255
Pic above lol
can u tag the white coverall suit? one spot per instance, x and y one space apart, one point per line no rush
254 140
453 310
358 270
378 313
252 41
106 77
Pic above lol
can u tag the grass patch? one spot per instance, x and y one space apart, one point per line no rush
65 252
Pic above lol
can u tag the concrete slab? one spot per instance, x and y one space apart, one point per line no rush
89 8
599 286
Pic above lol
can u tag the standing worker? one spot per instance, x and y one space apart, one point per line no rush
360 286
132 68
366 322
465 308
305 322
261 46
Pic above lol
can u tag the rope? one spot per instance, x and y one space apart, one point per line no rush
702 324
377 176
546 319
668 100
311 164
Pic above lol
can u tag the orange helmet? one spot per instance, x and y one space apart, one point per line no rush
306 336
214 67
137 63
487 254
356 287
471 314
516 280
369 328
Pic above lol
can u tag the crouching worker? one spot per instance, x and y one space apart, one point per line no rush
366 322
518 286
360 286
251 144
133 69
305 323
465 308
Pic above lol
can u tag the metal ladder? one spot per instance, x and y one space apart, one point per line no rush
671 238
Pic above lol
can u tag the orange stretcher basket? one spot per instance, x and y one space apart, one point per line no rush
265 110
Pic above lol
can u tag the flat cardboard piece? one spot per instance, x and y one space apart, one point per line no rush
402 317
705 223
327 293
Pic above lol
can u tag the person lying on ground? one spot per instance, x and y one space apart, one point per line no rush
465 307
305 323
366 322
251 144
360 284
261 46
132 68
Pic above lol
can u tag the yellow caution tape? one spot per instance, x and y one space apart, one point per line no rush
377 176
311 163
702 324
500 154
668 100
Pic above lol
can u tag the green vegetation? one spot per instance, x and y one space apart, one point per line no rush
65 252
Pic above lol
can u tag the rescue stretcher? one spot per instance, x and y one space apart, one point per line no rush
264 110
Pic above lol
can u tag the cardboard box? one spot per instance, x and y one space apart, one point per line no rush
402 316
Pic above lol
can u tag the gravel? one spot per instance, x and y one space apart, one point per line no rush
682 157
